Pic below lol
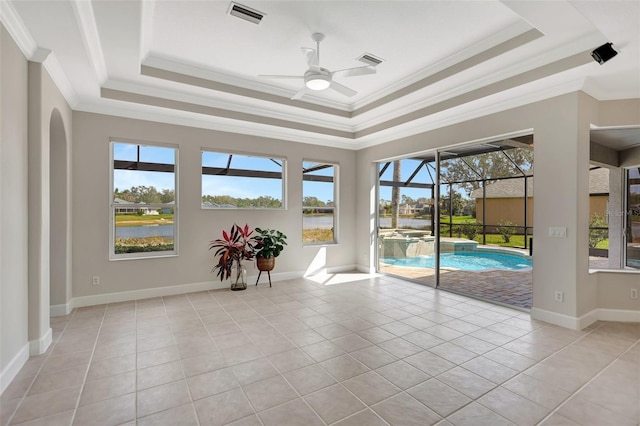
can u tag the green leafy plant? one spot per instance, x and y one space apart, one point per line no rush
269 243
598 229
234 247
506 229
469 230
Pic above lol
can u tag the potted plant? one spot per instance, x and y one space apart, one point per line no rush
269 245
234 247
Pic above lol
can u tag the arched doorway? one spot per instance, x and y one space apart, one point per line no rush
59 241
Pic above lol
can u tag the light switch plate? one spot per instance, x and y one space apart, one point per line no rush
558 231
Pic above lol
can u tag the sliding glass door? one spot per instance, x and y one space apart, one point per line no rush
406 219
461 219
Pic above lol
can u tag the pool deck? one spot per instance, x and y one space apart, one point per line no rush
510 287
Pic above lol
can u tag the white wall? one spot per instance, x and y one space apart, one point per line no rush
13 210
45 102
90 163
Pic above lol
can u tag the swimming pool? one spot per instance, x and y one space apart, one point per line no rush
467 261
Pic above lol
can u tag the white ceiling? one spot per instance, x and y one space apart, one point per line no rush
190 62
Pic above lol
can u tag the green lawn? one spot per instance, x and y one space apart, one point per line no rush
135 220
457 219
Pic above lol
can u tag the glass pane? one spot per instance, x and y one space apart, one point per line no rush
318 213
125 151
141 187
633 221
143 233
143 200
318 225
598 218
482 228
247 182
157 154
405 205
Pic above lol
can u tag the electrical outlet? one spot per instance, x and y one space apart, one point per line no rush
559 296
634 293
95 280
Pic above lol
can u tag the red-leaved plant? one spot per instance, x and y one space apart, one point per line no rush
234 246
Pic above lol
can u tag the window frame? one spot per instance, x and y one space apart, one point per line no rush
283 177
112 205
628 223
334 208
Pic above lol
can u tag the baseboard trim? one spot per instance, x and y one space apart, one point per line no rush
578 323
589 318
621 315
40 346
124 296
13 368
60 310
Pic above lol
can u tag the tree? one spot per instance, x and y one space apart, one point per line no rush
312 202
395 195
451 205
407 200
490 166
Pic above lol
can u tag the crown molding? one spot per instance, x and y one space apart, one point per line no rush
17 29
32 52
146 28
598 92
85 18
496 103
57 74
510 33
195 70
181 118
312 118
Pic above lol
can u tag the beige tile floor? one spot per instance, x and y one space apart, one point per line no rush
343 350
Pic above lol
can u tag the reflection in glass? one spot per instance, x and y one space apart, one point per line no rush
633 218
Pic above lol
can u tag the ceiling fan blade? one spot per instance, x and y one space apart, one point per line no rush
352 72
342 89
310 55
281 76
300 93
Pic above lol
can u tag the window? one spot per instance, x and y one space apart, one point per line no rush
319 202
633 218
144 210
242 181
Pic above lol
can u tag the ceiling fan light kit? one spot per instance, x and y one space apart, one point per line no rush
317 78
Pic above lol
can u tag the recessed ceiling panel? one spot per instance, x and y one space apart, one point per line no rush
410 36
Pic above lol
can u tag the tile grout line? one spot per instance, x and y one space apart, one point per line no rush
50 350
93 351
594 377
268 360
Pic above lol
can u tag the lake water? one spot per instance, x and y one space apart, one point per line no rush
310 222
144 231
326 222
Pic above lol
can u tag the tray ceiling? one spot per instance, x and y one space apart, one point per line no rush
192 63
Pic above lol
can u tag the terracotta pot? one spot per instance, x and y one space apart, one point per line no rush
265 264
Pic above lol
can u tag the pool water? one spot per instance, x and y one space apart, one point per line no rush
466 261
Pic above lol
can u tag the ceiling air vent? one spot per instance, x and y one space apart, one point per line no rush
369 59
246 13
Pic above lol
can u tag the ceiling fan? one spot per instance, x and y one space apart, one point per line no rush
318 78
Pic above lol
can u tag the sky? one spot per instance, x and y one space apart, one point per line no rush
125 179
408 166
238 187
